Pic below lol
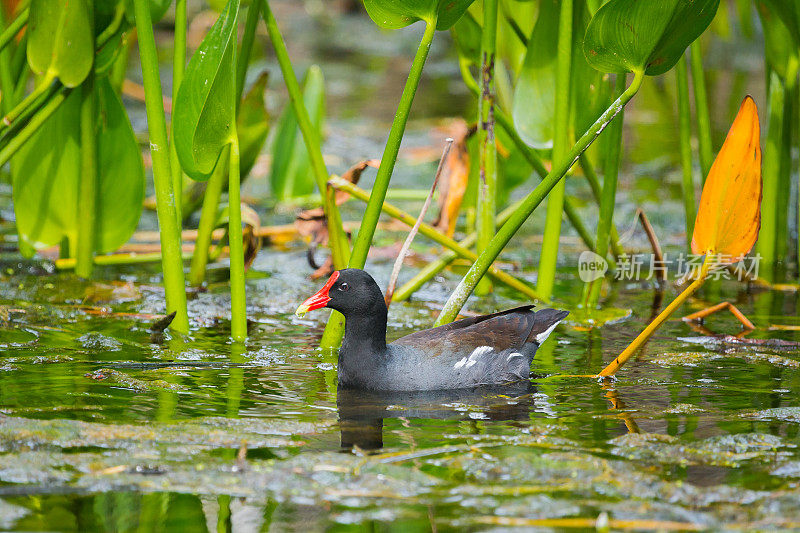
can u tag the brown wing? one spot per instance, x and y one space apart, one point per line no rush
501 331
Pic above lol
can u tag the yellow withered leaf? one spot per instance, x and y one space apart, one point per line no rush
729 216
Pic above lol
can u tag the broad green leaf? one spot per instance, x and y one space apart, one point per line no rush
46 172
534 95
204 109
290 175
395 14
120 171
60 42
645 35
252 124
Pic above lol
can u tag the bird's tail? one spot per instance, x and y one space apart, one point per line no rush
544 322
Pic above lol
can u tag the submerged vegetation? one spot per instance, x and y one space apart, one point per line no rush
222 113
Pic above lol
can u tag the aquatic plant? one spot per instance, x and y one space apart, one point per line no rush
728 219
623 36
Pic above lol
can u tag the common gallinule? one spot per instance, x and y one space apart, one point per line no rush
484 350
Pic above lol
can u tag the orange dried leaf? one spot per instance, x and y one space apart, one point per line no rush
729 216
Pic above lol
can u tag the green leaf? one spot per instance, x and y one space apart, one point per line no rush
781 34
394 14
60 39
205 106
645 35
534 95
290 175
120 172
252 124
46 172
467 38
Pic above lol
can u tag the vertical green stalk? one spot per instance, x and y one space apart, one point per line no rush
87 185
785 166
701 108
250 25
487 182
560 168
335 328
172 262
340 249
208 219
684 121
766 244
610 174
178 68
6 80
370 220
338 240
235 239
555 200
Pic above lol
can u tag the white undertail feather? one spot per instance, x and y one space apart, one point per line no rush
467 362
541 337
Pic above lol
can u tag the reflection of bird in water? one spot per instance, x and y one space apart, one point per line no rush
361 413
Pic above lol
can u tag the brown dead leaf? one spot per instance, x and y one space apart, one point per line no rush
252 242
312 223
454 178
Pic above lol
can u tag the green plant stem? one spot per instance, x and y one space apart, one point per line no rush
112 28
235 241
701 109
68 263
628 352
459 296
530 155
487 147
766 246
6 79
178 69
685 127
13 29
435 235
87 185
434 267
19 68
613 145
555 200
21 108
785 164
209 215
340 250
594 184
172 263
370 220
16 141
27 113
243 60
335 326
337 239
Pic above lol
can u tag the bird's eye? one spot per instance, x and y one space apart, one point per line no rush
344 287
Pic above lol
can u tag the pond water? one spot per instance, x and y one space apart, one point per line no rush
105 425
